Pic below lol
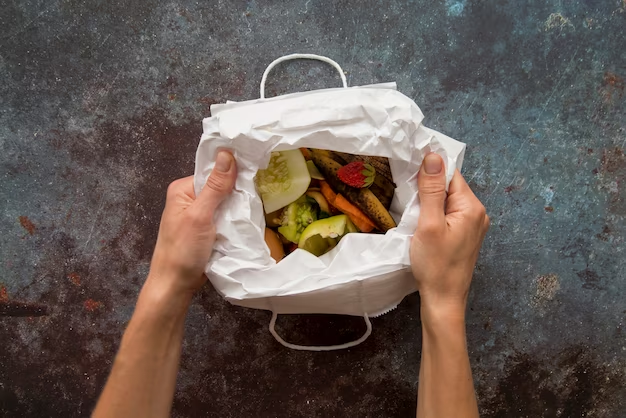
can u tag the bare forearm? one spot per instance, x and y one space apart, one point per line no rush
446 388
143 378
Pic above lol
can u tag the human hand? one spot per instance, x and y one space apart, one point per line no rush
449 234
187 230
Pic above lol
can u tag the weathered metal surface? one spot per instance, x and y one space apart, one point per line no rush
100 108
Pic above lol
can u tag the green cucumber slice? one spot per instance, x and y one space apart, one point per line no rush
284 181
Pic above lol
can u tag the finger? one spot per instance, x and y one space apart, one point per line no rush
182 186
458 184
431 183
180 193
460 196
219 184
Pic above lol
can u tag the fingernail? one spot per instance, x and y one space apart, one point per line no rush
223 162
433 164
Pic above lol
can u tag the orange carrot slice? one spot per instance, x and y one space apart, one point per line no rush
328 192
355 214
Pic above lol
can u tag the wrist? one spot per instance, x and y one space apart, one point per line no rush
439 312
160 295
175 277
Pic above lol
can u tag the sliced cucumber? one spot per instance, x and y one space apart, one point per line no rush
284 181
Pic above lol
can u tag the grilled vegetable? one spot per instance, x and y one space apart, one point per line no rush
364 198
356 215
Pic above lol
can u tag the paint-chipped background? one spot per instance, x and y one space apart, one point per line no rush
101 105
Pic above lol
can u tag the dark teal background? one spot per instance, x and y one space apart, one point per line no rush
101 105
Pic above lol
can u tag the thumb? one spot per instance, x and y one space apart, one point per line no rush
431 184
219 184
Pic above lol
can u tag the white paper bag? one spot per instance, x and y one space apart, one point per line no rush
366 274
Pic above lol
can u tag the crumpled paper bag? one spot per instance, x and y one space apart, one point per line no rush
366 273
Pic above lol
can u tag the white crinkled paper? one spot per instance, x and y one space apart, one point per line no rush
365 273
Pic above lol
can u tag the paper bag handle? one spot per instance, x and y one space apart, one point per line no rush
301 56
368 331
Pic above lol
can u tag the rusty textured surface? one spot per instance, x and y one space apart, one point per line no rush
100 108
